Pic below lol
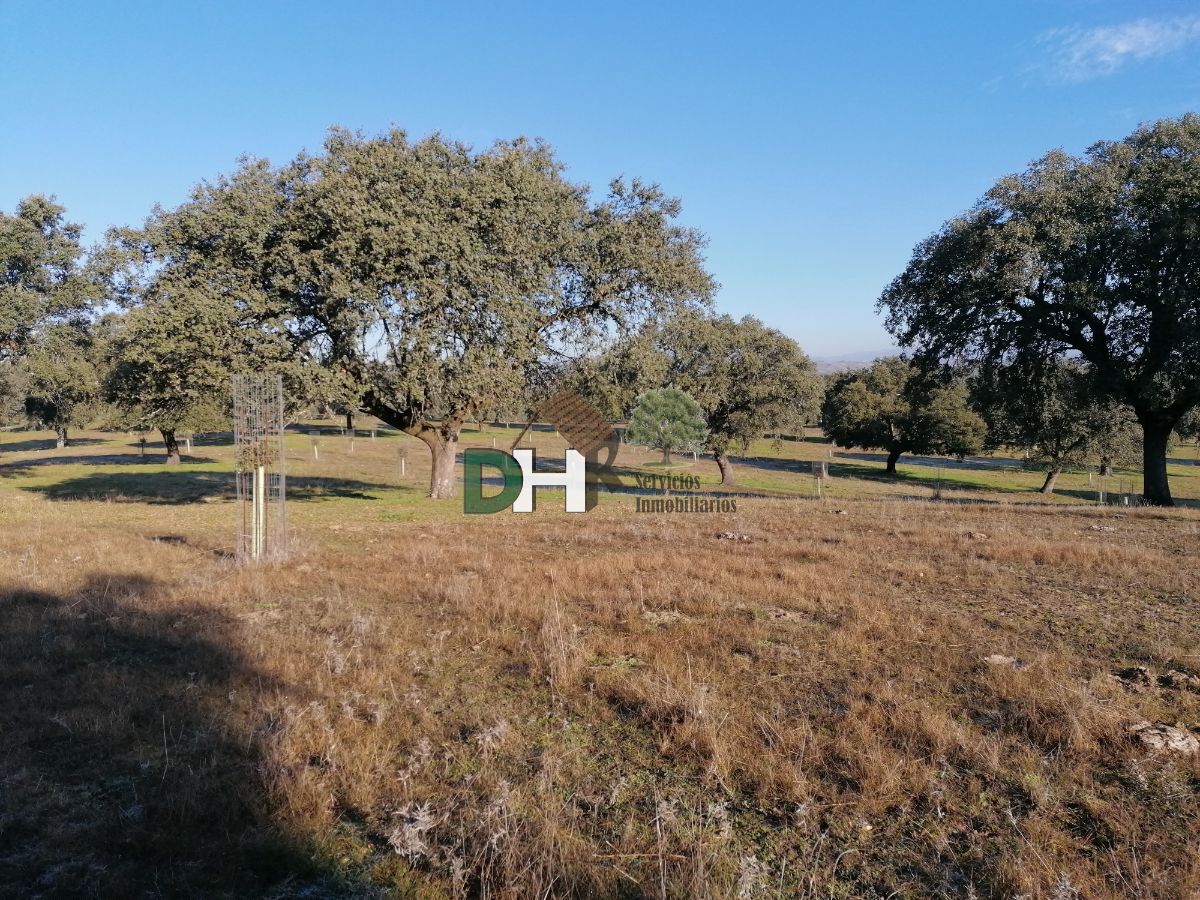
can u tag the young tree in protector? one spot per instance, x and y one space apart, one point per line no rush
430 278
1095 257
667 419
1050 410
893 406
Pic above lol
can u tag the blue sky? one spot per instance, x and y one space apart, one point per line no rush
814 144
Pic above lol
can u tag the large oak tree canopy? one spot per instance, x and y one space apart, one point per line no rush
431 277
1096 257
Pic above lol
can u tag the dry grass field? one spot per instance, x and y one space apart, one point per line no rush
793 700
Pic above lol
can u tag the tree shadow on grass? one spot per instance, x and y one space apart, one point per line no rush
180 486
978 463
130 765
27 466
953 478
1114 499
211 439
45 444
1090 495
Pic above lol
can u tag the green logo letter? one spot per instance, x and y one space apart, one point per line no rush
473 499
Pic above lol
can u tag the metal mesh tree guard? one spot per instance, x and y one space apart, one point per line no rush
261 482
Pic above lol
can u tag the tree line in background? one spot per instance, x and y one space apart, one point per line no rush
429 285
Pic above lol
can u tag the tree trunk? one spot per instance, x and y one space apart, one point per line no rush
172 445
725 466
350 422
1106 468
441 439
893 455
666 456
444 450
1156 490
60 435
1051 477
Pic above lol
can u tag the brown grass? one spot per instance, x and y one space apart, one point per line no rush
599 705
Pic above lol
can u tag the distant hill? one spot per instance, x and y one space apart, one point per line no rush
827 364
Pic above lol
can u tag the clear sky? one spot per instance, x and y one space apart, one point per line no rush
814 143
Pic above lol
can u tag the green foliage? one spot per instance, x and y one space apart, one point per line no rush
1052 410
469 266
427 278
748 379
893 406
12 394
61 378
1121 443
1097 256
199 310
41 271
170 365
667 419
613 381
1189 426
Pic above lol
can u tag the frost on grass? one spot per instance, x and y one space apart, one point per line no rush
408 837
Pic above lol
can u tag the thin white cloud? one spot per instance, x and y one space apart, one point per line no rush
1080 54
